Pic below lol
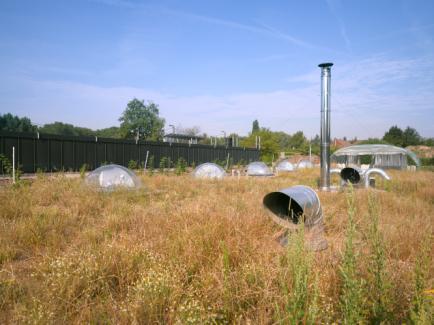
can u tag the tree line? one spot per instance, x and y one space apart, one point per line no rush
272 142
139 120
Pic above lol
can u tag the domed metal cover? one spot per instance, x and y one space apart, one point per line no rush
109 177
304 164
209 171
285 166
258 168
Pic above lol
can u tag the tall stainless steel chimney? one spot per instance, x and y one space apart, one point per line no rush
324 182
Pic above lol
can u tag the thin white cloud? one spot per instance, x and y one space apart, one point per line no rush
117 3
261 28
368 96
332 5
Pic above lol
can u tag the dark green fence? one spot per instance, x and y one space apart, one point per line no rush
48 152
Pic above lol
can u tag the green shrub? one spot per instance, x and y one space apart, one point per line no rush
181 165
132 164
427 161
163 164
6 165
83 169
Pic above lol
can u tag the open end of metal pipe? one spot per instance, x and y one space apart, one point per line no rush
292 206
283 206
351 175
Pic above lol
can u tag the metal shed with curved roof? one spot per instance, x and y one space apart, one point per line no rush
382 155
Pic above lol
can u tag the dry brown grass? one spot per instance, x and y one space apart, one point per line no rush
188 251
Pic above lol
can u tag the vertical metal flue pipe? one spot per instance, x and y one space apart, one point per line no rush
325 126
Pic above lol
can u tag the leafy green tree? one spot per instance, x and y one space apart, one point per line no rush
65 129
111 132
143 120
255 126
373 141
394 136
429 142
12 123
269 143
284 141
411 137
298 140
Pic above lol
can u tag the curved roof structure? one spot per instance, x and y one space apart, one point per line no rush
376 150
109 177
304 164
258 168
209 170
285 166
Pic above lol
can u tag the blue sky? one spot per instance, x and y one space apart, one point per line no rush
221 64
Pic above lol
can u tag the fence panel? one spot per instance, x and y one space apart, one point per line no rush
68 155
54 152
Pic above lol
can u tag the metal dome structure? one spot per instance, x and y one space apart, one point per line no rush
302 164
382 155
109 177
209 171
285 166
258 168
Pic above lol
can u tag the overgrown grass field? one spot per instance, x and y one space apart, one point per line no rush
184 251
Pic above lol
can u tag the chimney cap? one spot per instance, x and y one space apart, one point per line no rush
325 65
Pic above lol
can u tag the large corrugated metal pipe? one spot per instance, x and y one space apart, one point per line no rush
375 171
292 205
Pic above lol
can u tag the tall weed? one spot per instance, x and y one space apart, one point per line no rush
351 295
379 282
422 310
300 296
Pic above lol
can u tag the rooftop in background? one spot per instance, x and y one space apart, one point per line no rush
181 138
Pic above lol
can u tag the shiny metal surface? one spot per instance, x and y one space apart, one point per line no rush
209 171
285 166
303 163
325 126
112 176
374 171
292 203
258 168
383 156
